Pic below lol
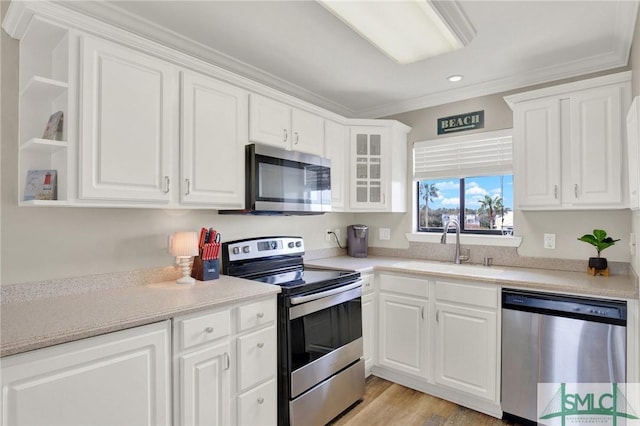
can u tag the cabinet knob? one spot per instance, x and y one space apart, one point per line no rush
187 189
209 329
260 400
260 314
261 345
297 138
575 190
286 135
555 191
167 181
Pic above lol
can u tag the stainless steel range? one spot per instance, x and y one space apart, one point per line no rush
320 365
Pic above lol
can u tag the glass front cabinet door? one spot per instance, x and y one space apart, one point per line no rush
368 162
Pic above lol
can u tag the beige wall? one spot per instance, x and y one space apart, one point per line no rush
47 243
531 226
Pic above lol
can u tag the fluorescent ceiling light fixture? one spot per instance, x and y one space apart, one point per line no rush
406 30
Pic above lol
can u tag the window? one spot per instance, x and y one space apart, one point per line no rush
469 178
487 203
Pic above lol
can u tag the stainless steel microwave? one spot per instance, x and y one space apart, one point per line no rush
278 181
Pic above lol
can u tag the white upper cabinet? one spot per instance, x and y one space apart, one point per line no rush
633 153
274 123
569 144
378 168
336 149
127 123
213 118
537 136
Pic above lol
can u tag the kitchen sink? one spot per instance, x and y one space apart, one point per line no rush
449 268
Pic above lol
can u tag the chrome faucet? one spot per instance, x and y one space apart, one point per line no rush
443 240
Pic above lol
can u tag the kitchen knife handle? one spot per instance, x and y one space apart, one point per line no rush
167 181
187 189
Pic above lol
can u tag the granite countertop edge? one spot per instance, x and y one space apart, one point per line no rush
41 323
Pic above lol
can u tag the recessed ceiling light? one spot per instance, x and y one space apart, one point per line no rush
454 78
407 31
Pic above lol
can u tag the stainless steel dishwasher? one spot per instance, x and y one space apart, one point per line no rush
548 338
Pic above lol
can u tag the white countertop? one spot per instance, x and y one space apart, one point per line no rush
581 283
34 324
49 321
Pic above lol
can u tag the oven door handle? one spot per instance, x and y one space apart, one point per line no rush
303 299
305 305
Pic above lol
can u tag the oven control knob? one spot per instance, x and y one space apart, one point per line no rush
246 249
291 245
236 250
298 243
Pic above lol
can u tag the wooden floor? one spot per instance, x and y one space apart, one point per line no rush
387 403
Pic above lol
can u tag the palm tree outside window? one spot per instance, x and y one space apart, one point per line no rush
482 204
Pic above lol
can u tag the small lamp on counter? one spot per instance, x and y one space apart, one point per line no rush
184 245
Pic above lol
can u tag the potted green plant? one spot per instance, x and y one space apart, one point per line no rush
600 241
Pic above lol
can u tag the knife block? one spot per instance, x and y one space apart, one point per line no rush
205 270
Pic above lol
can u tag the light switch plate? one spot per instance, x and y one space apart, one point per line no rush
384 234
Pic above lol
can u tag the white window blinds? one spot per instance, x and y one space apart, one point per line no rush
480 154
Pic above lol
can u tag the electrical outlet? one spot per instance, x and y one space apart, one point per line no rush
549 241
327 234
384 234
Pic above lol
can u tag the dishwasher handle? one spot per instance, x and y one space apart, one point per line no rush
584 308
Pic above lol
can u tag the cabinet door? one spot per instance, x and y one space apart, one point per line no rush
120 378
213 136
466 346
307 132
336 149
369 158
203 379
402 334
596 147
269 121
537 153
127 122
633 154
368 331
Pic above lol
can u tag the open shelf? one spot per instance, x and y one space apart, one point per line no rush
43 145
38 88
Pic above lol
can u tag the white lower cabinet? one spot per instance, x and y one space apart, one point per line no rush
466 341
403 334
203 383
225 366
369 316
121 378
441 337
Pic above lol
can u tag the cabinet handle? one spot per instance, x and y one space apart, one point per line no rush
187 190
260 314
422 312
209 329
438 317
260 400
575 190
297 138
555 191
286 135
167 181
260 345
227 361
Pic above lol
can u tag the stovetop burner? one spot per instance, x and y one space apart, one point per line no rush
278 261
